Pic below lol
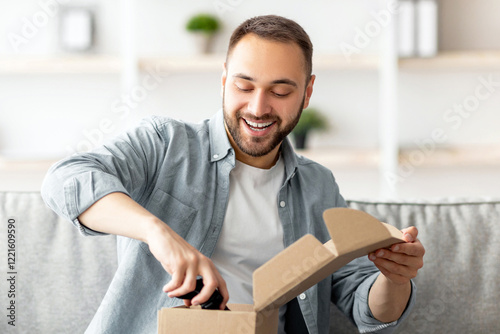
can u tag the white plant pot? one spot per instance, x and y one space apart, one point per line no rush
203 42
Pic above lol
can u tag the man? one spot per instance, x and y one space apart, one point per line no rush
220 198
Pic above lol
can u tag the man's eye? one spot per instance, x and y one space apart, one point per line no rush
281 94
243 89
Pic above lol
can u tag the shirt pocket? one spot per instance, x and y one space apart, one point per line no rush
177 215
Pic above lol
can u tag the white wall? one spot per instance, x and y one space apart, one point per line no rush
47 116
431 100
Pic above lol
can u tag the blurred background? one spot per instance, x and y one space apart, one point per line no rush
408 91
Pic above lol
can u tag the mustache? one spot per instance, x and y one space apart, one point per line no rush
253 118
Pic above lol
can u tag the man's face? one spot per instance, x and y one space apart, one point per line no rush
264 92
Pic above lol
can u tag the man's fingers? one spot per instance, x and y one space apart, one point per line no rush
223 291
399 266
175 282
402 261
409 255
188 285
396 268
209 286
412 249
410 233
185 263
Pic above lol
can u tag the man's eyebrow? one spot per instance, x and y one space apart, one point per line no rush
274 82
243 76
285 81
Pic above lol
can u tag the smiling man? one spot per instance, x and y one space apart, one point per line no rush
265 88
219 198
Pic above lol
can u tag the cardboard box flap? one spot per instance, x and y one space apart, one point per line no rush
307 261
356 231
287 274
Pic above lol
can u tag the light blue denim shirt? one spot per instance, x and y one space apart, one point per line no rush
180 173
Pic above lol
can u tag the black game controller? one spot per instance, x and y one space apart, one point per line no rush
212 303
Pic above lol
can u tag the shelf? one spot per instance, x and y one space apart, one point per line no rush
10 165
339 62
459 60
463 60
186 64
91 64
335 157
474 156
458 156
331 157
104 64
176 64
210 63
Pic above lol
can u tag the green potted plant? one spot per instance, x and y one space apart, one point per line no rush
311 119
204 26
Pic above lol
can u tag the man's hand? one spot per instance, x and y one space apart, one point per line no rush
185 263
118 214
402 261
390 293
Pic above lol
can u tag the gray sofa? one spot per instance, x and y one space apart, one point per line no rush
61 277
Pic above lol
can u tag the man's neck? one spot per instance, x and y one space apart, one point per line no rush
264 162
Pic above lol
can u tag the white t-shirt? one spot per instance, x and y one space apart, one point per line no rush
252 232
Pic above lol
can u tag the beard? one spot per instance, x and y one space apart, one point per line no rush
258 146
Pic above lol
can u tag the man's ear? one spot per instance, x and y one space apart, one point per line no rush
223 79
309 91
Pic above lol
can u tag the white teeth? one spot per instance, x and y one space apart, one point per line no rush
258 125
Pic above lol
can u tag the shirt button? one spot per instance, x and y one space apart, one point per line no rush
282 204
302 296
215 156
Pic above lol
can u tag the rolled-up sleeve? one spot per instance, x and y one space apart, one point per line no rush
363 316
350 289
123 165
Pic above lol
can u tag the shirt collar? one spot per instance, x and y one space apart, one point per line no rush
220 145
219 142
289 158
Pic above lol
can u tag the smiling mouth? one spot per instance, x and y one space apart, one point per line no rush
258 126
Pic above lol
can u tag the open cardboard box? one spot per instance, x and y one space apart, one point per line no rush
298 267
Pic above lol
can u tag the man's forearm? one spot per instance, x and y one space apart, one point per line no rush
388 300
118 214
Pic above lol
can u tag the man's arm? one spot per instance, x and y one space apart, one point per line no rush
391 291
118 214
97 188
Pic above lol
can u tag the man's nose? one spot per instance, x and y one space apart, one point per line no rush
259 104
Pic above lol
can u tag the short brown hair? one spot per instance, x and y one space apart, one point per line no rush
276 28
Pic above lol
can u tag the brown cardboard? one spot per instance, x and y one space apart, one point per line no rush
294 270
241 319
